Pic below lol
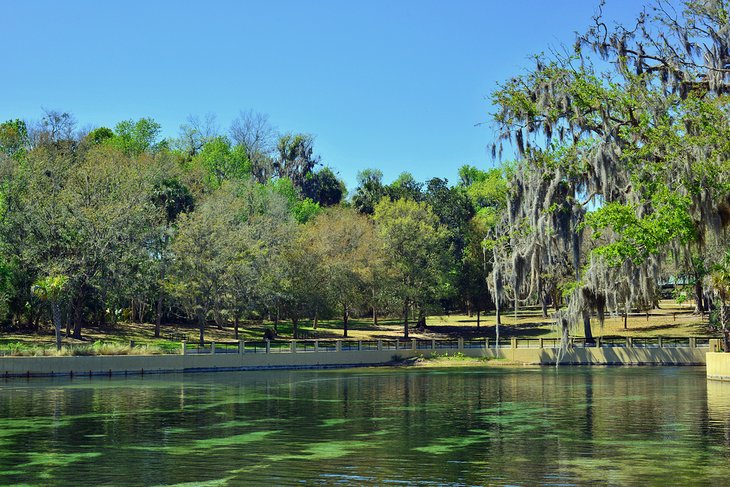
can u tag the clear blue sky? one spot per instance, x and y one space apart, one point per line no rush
395 85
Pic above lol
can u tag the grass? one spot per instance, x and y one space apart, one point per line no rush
96 348
670 319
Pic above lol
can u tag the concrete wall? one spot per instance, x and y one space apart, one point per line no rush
718 366
537 355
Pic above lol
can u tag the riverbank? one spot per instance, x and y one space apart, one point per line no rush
324 354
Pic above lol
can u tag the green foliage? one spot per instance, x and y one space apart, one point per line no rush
323 187
405 187
14 138
302 209
638 237
370 190
100 135
134 138
221 162
50 288
416 250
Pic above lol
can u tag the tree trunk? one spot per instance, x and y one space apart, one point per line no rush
345 320
158 316
102 311
699 308
544 302
56 312
375 310
316 320
235 327
587 327
723 323
626 320
276 320
405 320
497 310
201 326
78 312
295 327
479 313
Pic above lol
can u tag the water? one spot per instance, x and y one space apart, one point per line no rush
494 426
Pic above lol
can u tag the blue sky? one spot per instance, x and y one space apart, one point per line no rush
393 85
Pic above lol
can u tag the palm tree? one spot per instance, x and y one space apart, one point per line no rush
50 289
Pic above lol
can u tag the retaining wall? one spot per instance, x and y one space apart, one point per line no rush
718 366
535 353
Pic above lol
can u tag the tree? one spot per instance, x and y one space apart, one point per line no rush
134 138
195 133
405 186
174 199
51 289
14 139
88 219
100 135
303 209
197 277
221 162
370 190
634 167
295 158
323 187
56 128
343 242
254 133
415 245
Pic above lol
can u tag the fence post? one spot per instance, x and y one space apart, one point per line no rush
413 344
338 346
460 343
486 343
542 342
598 342
316 345
513 342
660 340
268 346
212 347
692 342
629 342
359 345
241 346
183 348
380 344
433 344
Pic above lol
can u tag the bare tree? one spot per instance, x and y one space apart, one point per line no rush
54 128
196 132
253 131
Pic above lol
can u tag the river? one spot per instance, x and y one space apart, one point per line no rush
379 426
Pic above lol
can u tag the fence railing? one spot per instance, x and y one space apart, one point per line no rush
320 346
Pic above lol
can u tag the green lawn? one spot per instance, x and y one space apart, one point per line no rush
670 320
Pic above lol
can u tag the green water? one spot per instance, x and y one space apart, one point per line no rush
572 426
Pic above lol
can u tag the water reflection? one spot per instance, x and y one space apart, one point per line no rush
654 426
